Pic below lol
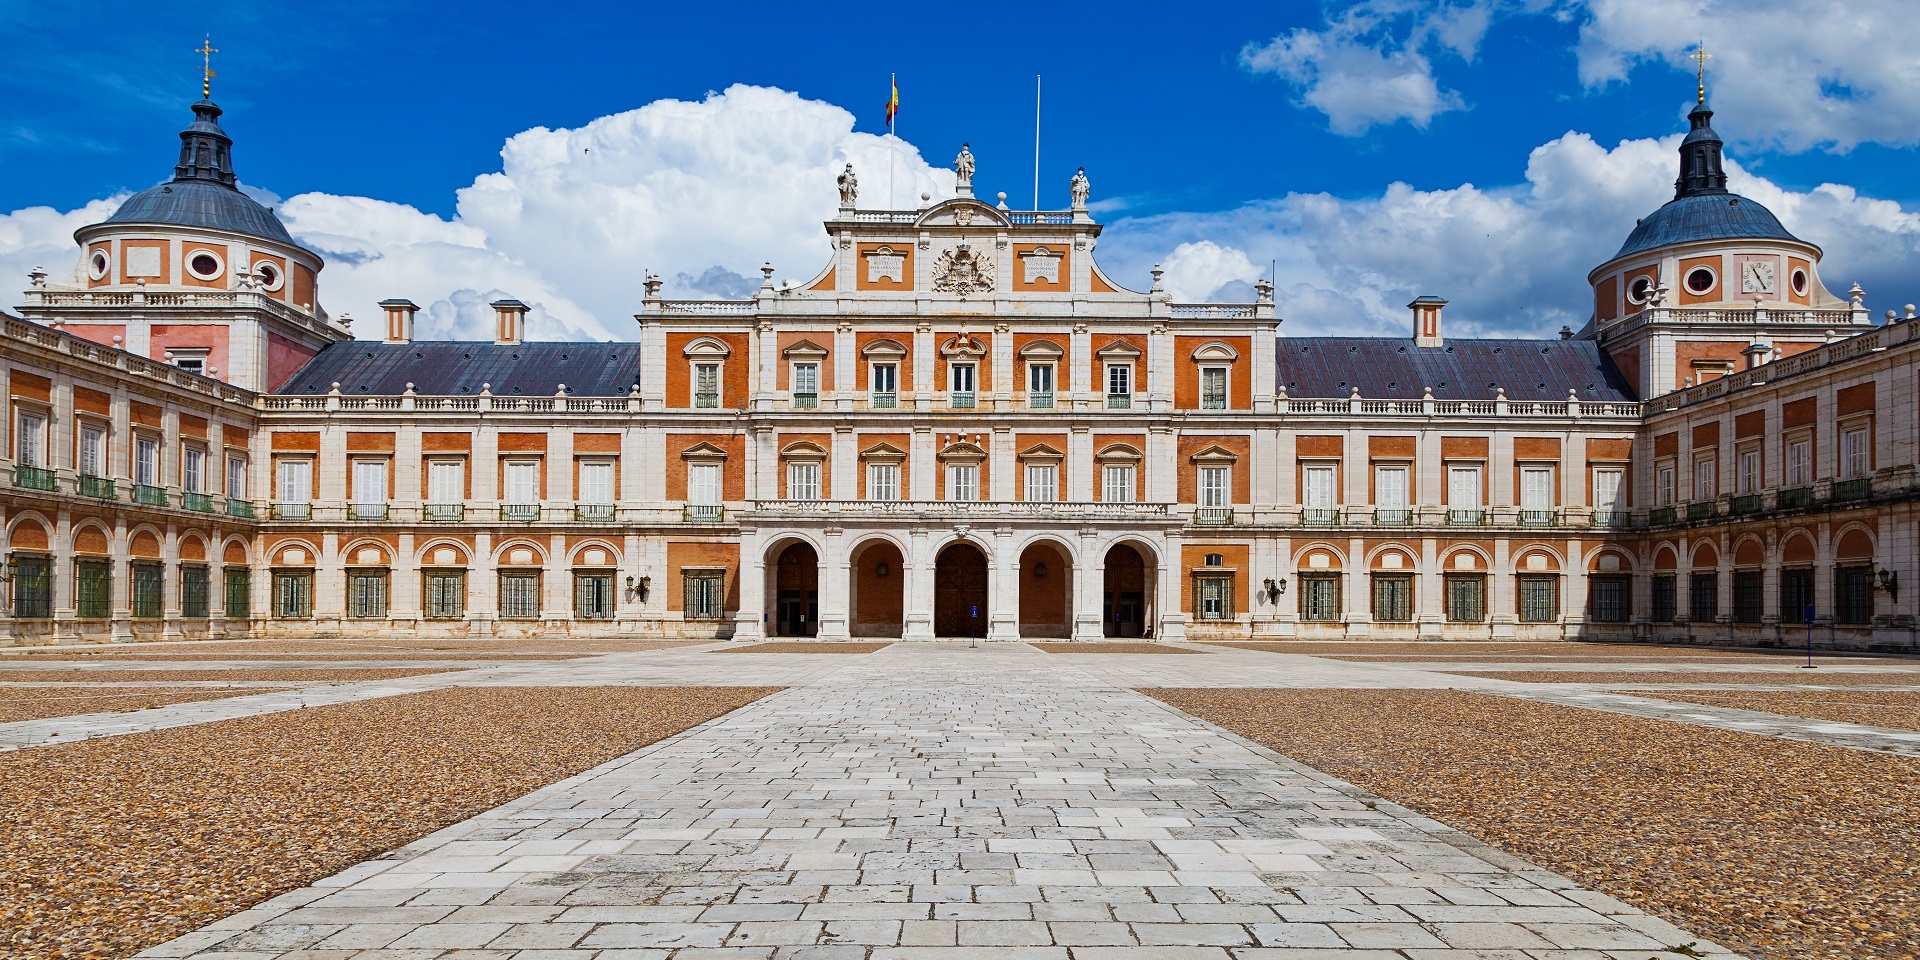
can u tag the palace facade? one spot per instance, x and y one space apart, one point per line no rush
959 427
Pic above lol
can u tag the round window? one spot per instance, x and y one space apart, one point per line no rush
1640 290
97 265
1701 279
1800 282
269 275
204 264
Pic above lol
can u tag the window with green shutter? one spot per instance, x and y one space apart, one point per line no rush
239 593
148 590
32 587
195 586
293 594
93 589
367 593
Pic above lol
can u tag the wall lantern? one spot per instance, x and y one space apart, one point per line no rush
1889 580
1275 589
882 569
637 587
1040 571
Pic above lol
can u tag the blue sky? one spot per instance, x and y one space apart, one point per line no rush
1216 137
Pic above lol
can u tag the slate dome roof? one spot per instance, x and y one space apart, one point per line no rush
204 191
1721 216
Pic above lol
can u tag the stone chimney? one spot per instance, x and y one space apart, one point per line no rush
511 318
399 320
1426 321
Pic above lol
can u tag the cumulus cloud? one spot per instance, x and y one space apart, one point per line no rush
43 237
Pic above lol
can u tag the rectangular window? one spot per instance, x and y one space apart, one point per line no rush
519 595
1748 602
446 594
883 481
960 378
1703 597
236 478
1664 486
1606 490
1043 482
1539 599
446 482
1392 598
293 594
91 458
369 482
1213 597
1390 487
1853 595
1536 488
239 593
1119 384
148 590
1799 463
806 382
596 482
1463 488
1466 598
193 470
1215 487
1116 483
1608 598
1666 607
32 587
296 481
803 480
1796 596
1040 384
593 596
195 587
963 481
146 461
366 593
706 384
1856 454
883 378
1317 486
30 444
521 482
1213 388
1749 472
1706 480
702 597
1320 597
93 589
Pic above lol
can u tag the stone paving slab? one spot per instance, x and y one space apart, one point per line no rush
936 801
1830 733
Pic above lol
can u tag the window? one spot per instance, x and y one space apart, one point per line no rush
1749 479
1799 462
961 381
1747 599
1116 483
293 594
1664 486
1317 486
1040 385
1215 487
236 478
1043 482
31 442
596 482
91 458
1703 597
1213 388
883 481
93 589
703 484
1539 599
706 384
1856 454
369 483
146 461
32 587
1536 489
1466 596
1706 480
366 593
239 593
1320 597
521 482
593 596
446 482
148 590
446 594
1390 488
192 361
1796 596
1463 491
883 383
1392 597
195 585
1853 595
806 385
803 480
519 595
963 481
1608 598
296 485
1119 384
1665 603
1213 596
701 594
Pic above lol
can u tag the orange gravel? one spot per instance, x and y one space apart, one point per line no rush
1777 849
39 703
804 646
1500 651
348 675
1109 648
1896 709
493 648
1782 678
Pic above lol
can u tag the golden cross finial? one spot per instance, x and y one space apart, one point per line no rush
1701 56
206 52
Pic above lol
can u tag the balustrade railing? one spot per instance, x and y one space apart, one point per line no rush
593 512
237 507
1539 518
703 513
1743 505
35 478
1392 518
1119 401
197 502
961 401
1213 516
520 512
1859 488
806 400
292 511
1660 516
1320 517
883 399
1703 510
99 488
1466 518
149 495
1040 401
1794 498
443 512
366 511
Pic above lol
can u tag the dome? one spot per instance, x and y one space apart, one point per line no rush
1714 216
202 203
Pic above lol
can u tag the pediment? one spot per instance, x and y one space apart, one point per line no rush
1215 454
1118 350
1042 350
1216 351
883 451
1042 451
707 347
884 348
963 451
962 212
1119 451
804 350
703 451
963 346
803 450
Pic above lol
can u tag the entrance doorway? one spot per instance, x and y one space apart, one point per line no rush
960 592
796 592
879 590
1123 606
1046 574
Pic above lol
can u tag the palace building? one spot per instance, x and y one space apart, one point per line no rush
958 427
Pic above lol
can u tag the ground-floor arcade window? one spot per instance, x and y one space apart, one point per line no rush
1666 608
366 593
446 592
593 596
1539 598
1748 601
1392 597
32 587
1796 595
702 596
1320 597
239 593
196 587
93 589
148 590
1703 597
519 595
1608 598
1853 594
293 594
1466 596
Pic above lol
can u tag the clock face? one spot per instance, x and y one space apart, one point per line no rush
1757 277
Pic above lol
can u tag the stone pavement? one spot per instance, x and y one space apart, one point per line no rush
935 801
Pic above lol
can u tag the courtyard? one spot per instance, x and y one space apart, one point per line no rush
556 799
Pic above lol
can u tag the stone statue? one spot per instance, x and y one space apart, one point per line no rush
963 166
849 187
1080 188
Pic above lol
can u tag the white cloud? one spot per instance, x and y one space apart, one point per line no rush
43 237
1198 270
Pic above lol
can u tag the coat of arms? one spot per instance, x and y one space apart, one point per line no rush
962 270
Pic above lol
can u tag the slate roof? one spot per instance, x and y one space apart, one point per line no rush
1391 369
202 203
1722 216
460 368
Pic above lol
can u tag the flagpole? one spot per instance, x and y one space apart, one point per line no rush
893 84
1036 141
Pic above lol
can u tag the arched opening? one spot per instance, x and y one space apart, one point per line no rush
1124 610
960 592
879 590
1046 580
796 591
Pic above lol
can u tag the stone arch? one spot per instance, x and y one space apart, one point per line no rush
443 553
143 543
234 553
293 552
1046 588
704 347
1129 570
1465 558
1396 557
1749 551
1666 556
28 533
192 548
1610 560
595 552
92 538
1215 351
520 552
1536 558
877 583
1854 543
962 582
366 552
1319 555
1705 556
1798 548
792 591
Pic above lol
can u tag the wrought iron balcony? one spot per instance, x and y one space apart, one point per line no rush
237 507
703 513
1795 498
1213 516
1466 518
1702 510
883 399
593 512
1744 505
1612 518
1539 518
1659 516
706 399
1119 401
443 512
1393 517
366 511
1040 401
197 502
99 488
1213 401
292 511
1859 488
520 512
961 401
35 478
806 400
1320 517
149 495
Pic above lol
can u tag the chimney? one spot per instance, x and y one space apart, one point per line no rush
1426 321
511 316
399 320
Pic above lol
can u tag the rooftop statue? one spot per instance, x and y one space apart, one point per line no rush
1080 188
849 188
963 168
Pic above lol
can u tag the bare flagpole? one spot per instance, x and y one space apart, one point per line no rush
893 83
1036 141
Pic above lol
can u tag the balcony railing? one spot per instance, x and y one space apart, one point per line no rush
961 401
1744 505
149 495
806 400
1539 518
1612 518
366 511
593 512
443 512
703 513
1040 401
1393 517
35 478
1659 516
520 512
1213 516
883 399
1705 510
706 399
237 507
1320 517
1119 401
292 511
99 488
1795 497
197 502
1466 518
1859 488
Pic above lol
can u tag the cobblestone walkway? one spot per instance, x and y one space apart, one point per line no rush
943 802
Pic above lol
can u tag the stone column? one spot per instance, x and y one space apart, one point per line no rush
403 585
750 621
1003 589
556 583
1170 615
1501 609
170 585
483 582
1429 595
121 576
916 597
65 629
1089 588
1357 594
836 588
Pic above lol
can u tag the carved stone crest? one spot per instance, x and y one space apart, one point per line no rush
963 270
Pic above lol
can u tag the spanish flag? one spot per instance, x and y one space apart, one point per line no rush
893 102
